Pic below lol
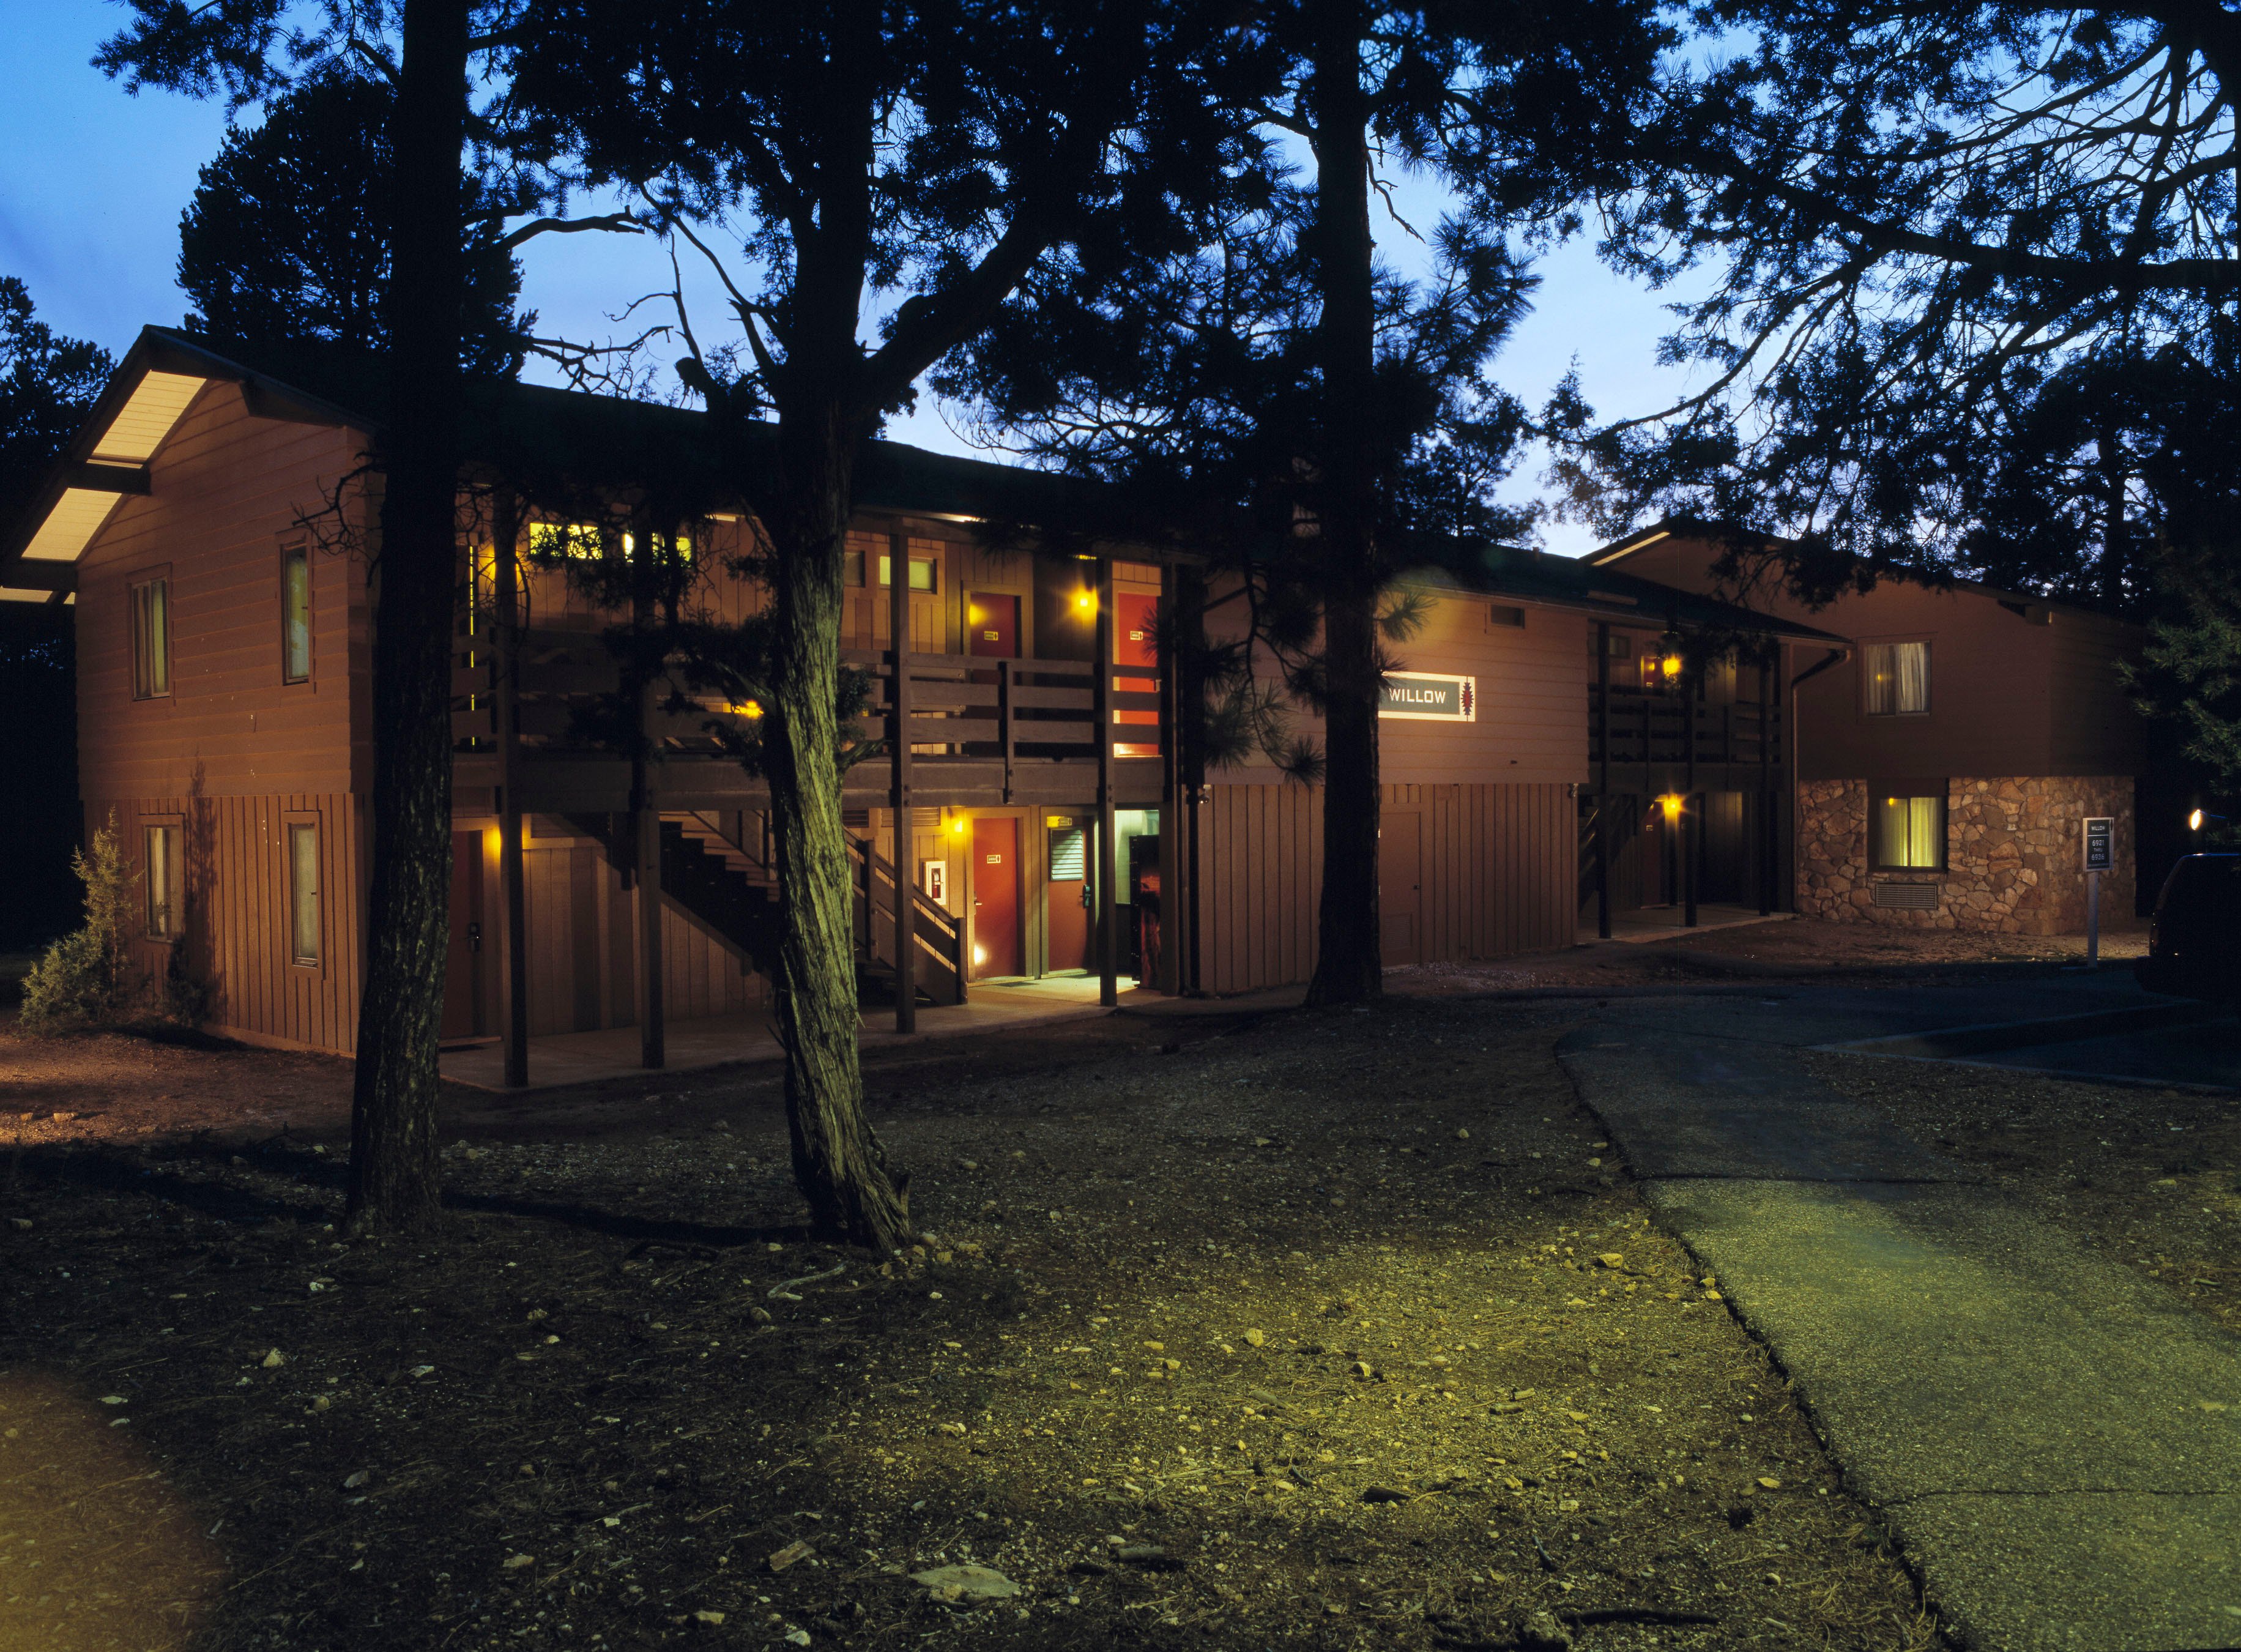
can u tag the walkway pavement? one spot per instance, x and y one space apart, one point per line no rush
2055 1440
561 1059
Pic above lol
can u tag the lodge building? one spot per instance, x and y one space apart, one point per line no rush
1555 761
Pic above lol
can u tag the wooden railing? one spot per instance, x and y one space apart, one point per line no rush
1647 727
1011 712
939 971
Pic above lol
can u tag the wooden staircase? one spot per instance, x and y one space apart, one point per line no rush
717 867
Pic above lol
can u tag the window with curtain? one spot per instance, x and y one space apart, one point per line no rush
151 640
304 890
1907 833
295 614
1898 679
160 875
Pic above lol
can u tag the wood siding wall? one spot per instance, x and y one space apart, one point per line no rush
2009 695
1531 726
1498 874
583 946
225 493
238 942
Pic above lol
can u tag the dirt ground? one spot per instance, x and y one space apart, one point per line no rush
1329 1331
2151 1177
121 1087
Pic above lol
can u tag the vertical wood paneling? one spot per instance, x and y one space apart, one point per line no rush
1498 878
237 945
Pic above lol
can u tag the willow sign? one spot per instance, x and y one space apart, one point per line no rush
1427 697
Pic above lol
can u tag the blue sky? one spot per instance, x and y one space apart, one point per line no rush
94 181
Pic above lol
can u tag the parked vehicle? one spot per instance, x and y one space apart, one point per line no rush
2194 939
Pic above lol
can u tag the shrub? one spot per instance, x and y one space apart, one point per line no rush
87 979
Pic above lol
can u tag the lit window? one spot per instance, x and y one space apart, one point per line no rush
160 872
1907 833
304 890
151 640
1898 679
295 614
922 572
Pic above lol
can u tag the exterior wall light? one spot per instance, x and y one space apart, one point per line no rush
1671 802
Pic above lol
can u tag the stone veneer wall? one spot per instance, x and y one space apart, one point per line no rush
2014 859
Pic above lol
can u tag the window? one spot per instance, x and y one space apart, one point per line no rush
304 890
151 640
1898 679
924 570
1502 617
1069 853
296 613
159 847
1907 833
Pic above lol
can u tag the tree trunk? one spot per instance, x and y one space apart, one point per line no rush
393 1179
1349 966
2114 483
837 1161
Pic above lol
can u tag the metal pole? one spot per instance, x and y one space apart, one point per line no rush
2092 921
900 762
1108 915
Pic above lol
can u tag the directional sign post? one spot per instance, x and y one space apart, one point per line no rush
2100 857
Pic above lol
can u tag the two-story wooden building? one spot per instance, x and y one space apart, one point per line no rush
213 524
1946 759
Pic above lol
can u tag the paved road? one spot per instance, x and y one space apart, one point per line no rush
2055 1440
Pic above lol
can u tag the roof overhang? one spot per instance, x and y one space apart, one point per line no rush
135 414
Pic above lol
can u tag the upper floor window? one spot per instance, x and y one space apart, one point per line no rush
925 571
161 874
151 640
1898 679
295 614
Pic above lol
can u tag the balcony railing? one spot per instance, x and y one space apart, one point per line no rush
1017 716
1653 729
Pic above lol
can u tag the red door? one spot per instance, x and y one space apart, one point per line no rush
463 971
1067 905
1136 642
997 948
992 626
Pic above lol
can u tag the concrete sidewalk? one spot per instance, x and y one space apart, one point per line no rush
2056 1440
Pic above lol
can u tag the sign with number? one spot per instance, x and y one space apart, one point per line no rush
1428 698
2100 844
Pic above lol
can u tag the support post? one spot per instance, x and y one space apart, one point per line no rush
1109 913
905 860
1186 729
1602 782
1766 725
506 593
645 830
1692 826
653 1044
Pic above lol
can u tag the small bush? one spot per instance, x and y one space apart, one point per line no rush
87 979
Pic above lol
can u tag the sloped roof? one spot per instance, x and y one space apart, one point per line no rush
1606 593
592 441
1609 557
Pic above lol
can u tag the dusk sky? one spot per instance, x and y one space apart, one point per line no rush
95 181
